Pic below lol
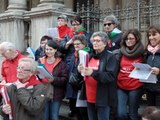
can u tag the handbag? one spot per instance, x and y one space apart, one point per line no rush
74 80
50 91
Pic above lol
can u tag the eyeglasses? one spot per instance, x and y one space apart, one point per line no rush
77 43
108 24
130 39
75 24
23 70
96 40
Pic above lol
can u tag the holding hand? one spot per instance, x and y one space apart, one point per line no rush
155 70
6 109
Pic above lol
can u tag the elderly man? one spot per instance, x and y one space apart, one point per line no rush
27 94
9 65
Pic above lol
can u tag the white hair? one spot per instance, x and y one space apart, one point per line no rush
7 46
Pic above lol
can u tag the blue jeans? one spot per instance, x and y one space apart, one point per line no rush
128 104
98 112
52 110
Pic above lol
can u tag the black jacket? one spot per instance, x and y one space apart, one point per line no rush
106 76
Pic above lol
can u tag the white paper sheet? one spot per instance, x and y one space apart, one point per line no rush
143 73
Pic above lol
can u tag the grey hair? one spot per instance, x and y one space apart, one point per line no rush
104 37
33 63
7 46
111 18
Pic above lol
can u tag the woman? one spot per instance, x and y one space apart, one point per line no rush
67 47
129 89
80 43
58 69
110 23
100 79
153 58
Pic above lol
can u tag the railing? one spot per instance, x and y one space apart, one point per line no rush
137 14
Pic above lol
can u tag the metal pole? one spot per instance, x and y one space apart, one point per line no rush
138 14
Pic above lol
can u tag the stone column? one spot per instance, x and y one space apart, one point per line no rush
12 23
52 1
17 5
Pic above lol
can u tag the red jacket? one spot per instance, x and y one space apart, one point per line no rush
9 69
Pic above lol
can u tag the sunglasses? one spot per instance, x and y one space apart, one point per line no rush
108 24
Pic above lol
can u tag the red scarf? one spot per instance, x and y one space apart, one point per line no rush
33 81
63 31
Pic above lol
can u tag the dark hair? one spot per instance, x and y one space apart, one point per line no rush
151 113
81 38
78 19
153 29
134 32
53 45
43 38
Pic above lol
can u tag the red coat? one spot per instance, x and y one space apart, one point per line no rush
9 69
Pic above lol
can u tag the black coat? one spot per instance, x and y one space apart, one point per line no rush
106 76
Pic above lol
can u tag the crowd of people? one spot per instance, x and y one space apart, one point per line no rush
104 84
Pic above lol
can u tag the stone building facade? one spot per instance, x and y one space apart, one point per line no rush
25 21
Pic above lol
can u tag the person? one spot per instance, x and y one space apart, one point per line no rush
9 64
67 48
27 93
151 113
129 89
57 67
80 43
63 28
100 76
40 51
152 58
110 23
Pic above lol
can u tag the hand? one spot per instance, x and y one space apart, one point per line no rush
50 79
155 70
6 109
69 43
87 71
20 85
80 68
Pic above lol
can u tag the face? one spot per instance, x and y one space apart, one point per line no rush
23 71
154 39
130 41
42 44
8 54
78 45
109 26
62 22
50 52
98 44
75 25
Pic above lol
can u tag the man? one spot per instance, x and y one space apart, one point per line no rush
27 94
40 51
9 65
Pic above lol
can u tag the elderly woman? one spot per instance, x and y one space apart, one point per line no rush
110 27
27 94
100 79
